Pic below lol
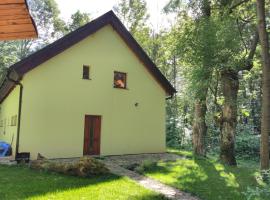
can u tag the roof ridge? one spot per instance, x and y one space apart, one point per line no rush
60 45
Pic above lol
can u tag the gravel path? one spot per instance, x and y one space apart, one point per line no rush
115 163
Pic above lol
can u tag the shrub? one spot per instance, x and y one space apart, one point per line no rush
247 145
256 193
262 192
84 167
145 166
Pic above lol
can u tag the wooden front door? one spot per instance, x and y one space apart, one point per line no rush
92 126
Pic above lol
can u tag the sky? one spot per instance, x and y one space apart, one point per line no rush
98 7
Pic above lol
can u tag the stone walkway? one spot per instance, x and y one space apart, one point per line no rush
127 160
115 163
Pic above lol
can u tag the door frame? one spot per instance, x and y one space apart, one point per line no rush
99 135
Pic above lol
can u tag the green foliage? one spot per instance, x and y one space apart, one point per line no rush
247 146
191 37
178 118
204 47
145 166
247 143
78 19
173 126
181 152
8 54
208 43
257 193
47 20
133 13
250 98
262 191
173 6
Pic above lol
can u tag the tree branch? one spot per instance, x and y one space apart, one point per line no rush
248 64
241 35
215 92
237 4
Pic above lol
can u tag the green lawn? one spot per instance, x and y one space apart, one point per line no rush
206 178
23 183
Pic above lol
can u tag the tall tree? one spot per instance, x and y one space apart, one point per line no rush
78 19
196 45
199 128
226 53
229 75
134 15
265 122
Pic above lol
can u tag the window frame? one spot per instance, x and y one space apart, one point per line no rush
125 80
88 74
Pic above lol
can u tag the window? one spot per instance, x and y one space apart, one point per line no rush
120 80
14 120
86 70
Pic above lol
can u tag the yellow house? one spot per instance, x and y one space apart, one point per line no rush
92 92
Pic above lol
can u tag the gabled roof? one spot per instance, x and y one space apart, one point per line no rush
15 20
39 57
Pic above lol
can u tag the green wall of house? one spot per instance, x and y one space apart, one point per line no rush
56 100
9 118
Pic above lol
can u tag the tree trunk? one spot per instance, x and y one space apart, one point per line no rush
199 128
265 121
255 104
230 86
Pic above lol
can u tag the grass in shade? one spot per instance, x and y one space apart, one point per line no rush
19 182
207 178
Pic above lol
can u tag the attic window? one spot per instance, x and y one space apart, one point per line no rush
120 80
86 71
